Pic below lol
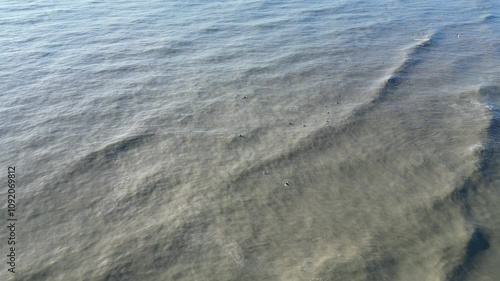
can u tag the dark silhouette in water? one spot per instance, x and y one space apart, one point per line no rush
478 241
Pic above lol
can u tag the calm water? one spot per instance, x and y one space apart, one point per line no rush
252 140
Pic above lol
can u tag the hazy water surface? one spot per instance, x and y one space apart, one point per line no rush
252 140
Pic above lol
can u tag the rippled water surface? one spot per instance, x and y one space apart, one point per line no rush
252 140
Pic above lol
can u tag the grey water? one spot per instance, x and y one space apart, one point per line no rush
251 140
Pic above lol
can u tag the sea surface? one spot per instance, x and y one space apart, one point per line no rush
251 140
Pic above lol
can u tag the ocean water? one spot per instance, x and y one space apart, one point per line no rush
252 140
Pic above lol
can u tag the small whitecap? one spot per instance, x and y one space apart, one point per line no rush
475 147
